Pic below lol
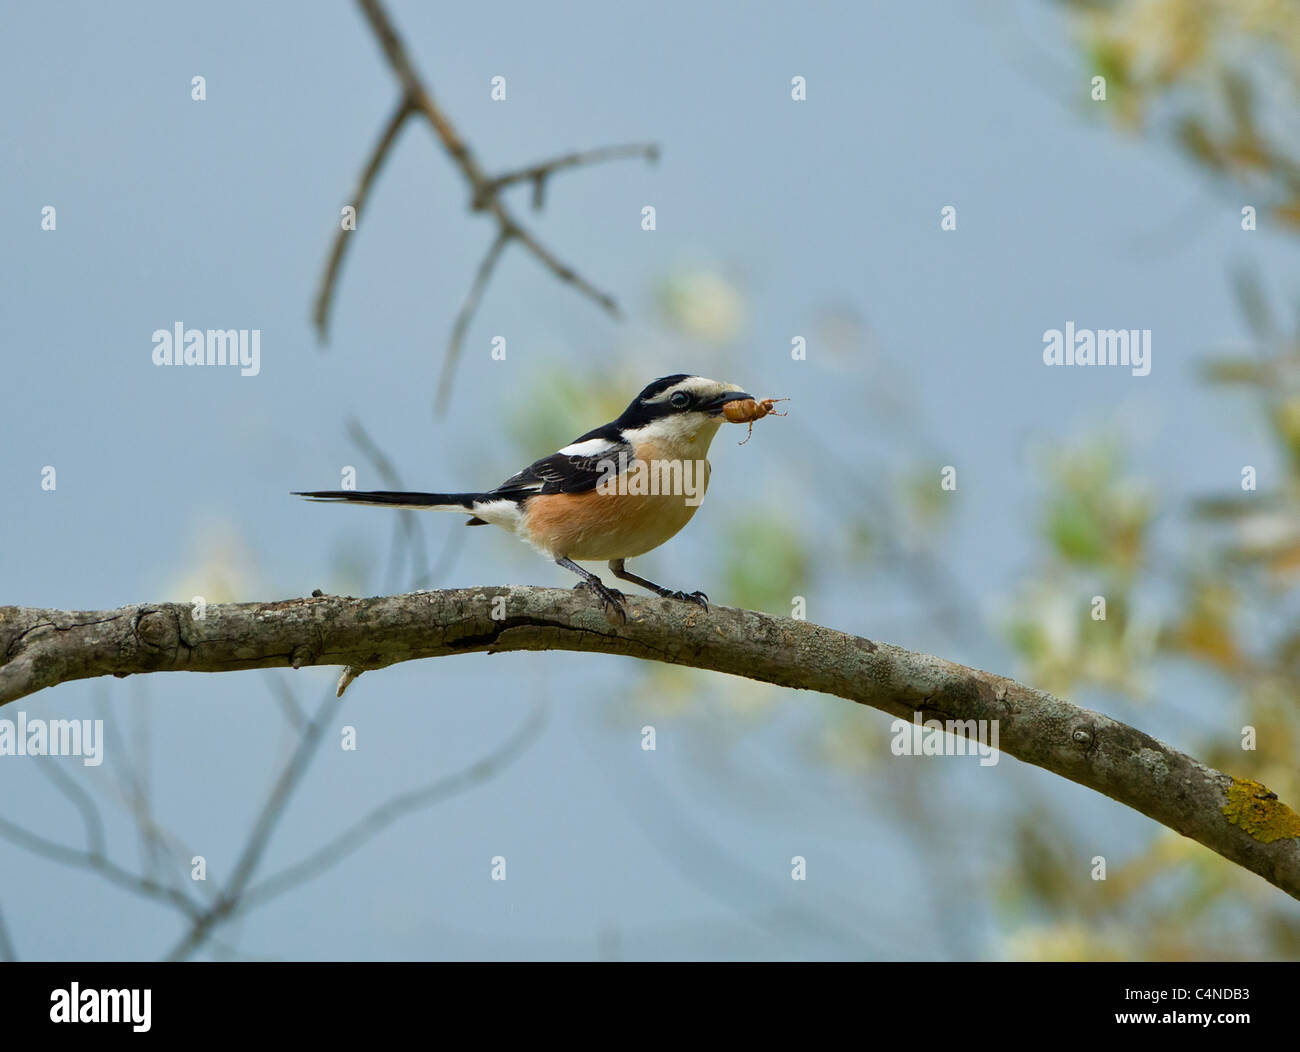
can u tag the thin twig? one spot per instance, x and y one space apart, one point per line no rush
562 270
110 871
386 814
485 194
7 950
272 811
142 804
537 174
406 526
463 317
325 296
287 700
132 793
81 800
446 560
93 821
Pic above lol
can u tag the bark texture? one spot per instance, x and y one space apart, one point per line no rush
1238 818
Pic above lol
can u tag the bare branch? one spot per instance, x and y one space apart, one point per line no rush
95 854
463 318
386 814
7 950
563 271
272 811
451 550
537 174
288 702
110 871
320 315
406 527
81 800
238 897
132 791
1238 818
485 193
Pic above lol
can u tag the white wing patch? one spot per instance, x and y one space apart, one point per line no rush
593 447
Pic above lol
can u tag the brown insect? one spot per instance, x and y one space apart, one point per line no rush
750 409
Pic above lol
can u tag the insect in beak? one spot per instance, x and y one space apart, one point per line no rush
749 409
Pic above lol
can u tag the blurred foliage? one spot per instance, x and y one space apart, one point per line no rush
1222 607
1232 616
557 397
1218 78
1220 81
218 566
1097 525
1095 518
702 303
925 505
770 540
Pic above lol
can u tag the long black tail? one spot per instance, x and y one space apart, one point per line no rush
394 499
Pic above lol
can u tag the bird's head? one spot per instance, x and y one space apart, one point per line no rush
679 409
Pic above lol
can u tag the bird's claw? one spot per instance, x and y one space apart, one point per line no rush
610 598
584 586
690 597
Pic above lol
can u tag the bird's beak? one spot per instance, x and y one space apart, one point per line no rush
714 406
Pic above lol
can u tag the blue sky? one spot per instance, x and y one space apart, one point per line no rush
218 214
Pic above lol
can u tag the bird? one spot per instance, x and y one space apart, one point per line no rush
612 494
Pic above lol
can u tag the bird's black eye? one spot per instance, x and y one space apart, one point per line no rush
680 399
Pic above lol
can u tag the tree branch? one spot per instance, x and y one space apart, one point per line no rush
320 314
395 807
1238 818
464 316
537 174
273 809
485 194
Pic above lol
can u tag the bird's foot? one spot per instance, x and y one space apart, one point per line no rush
584 586
610 598
687 597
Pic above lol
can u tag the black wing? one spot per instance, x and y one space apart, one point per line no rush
572 472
